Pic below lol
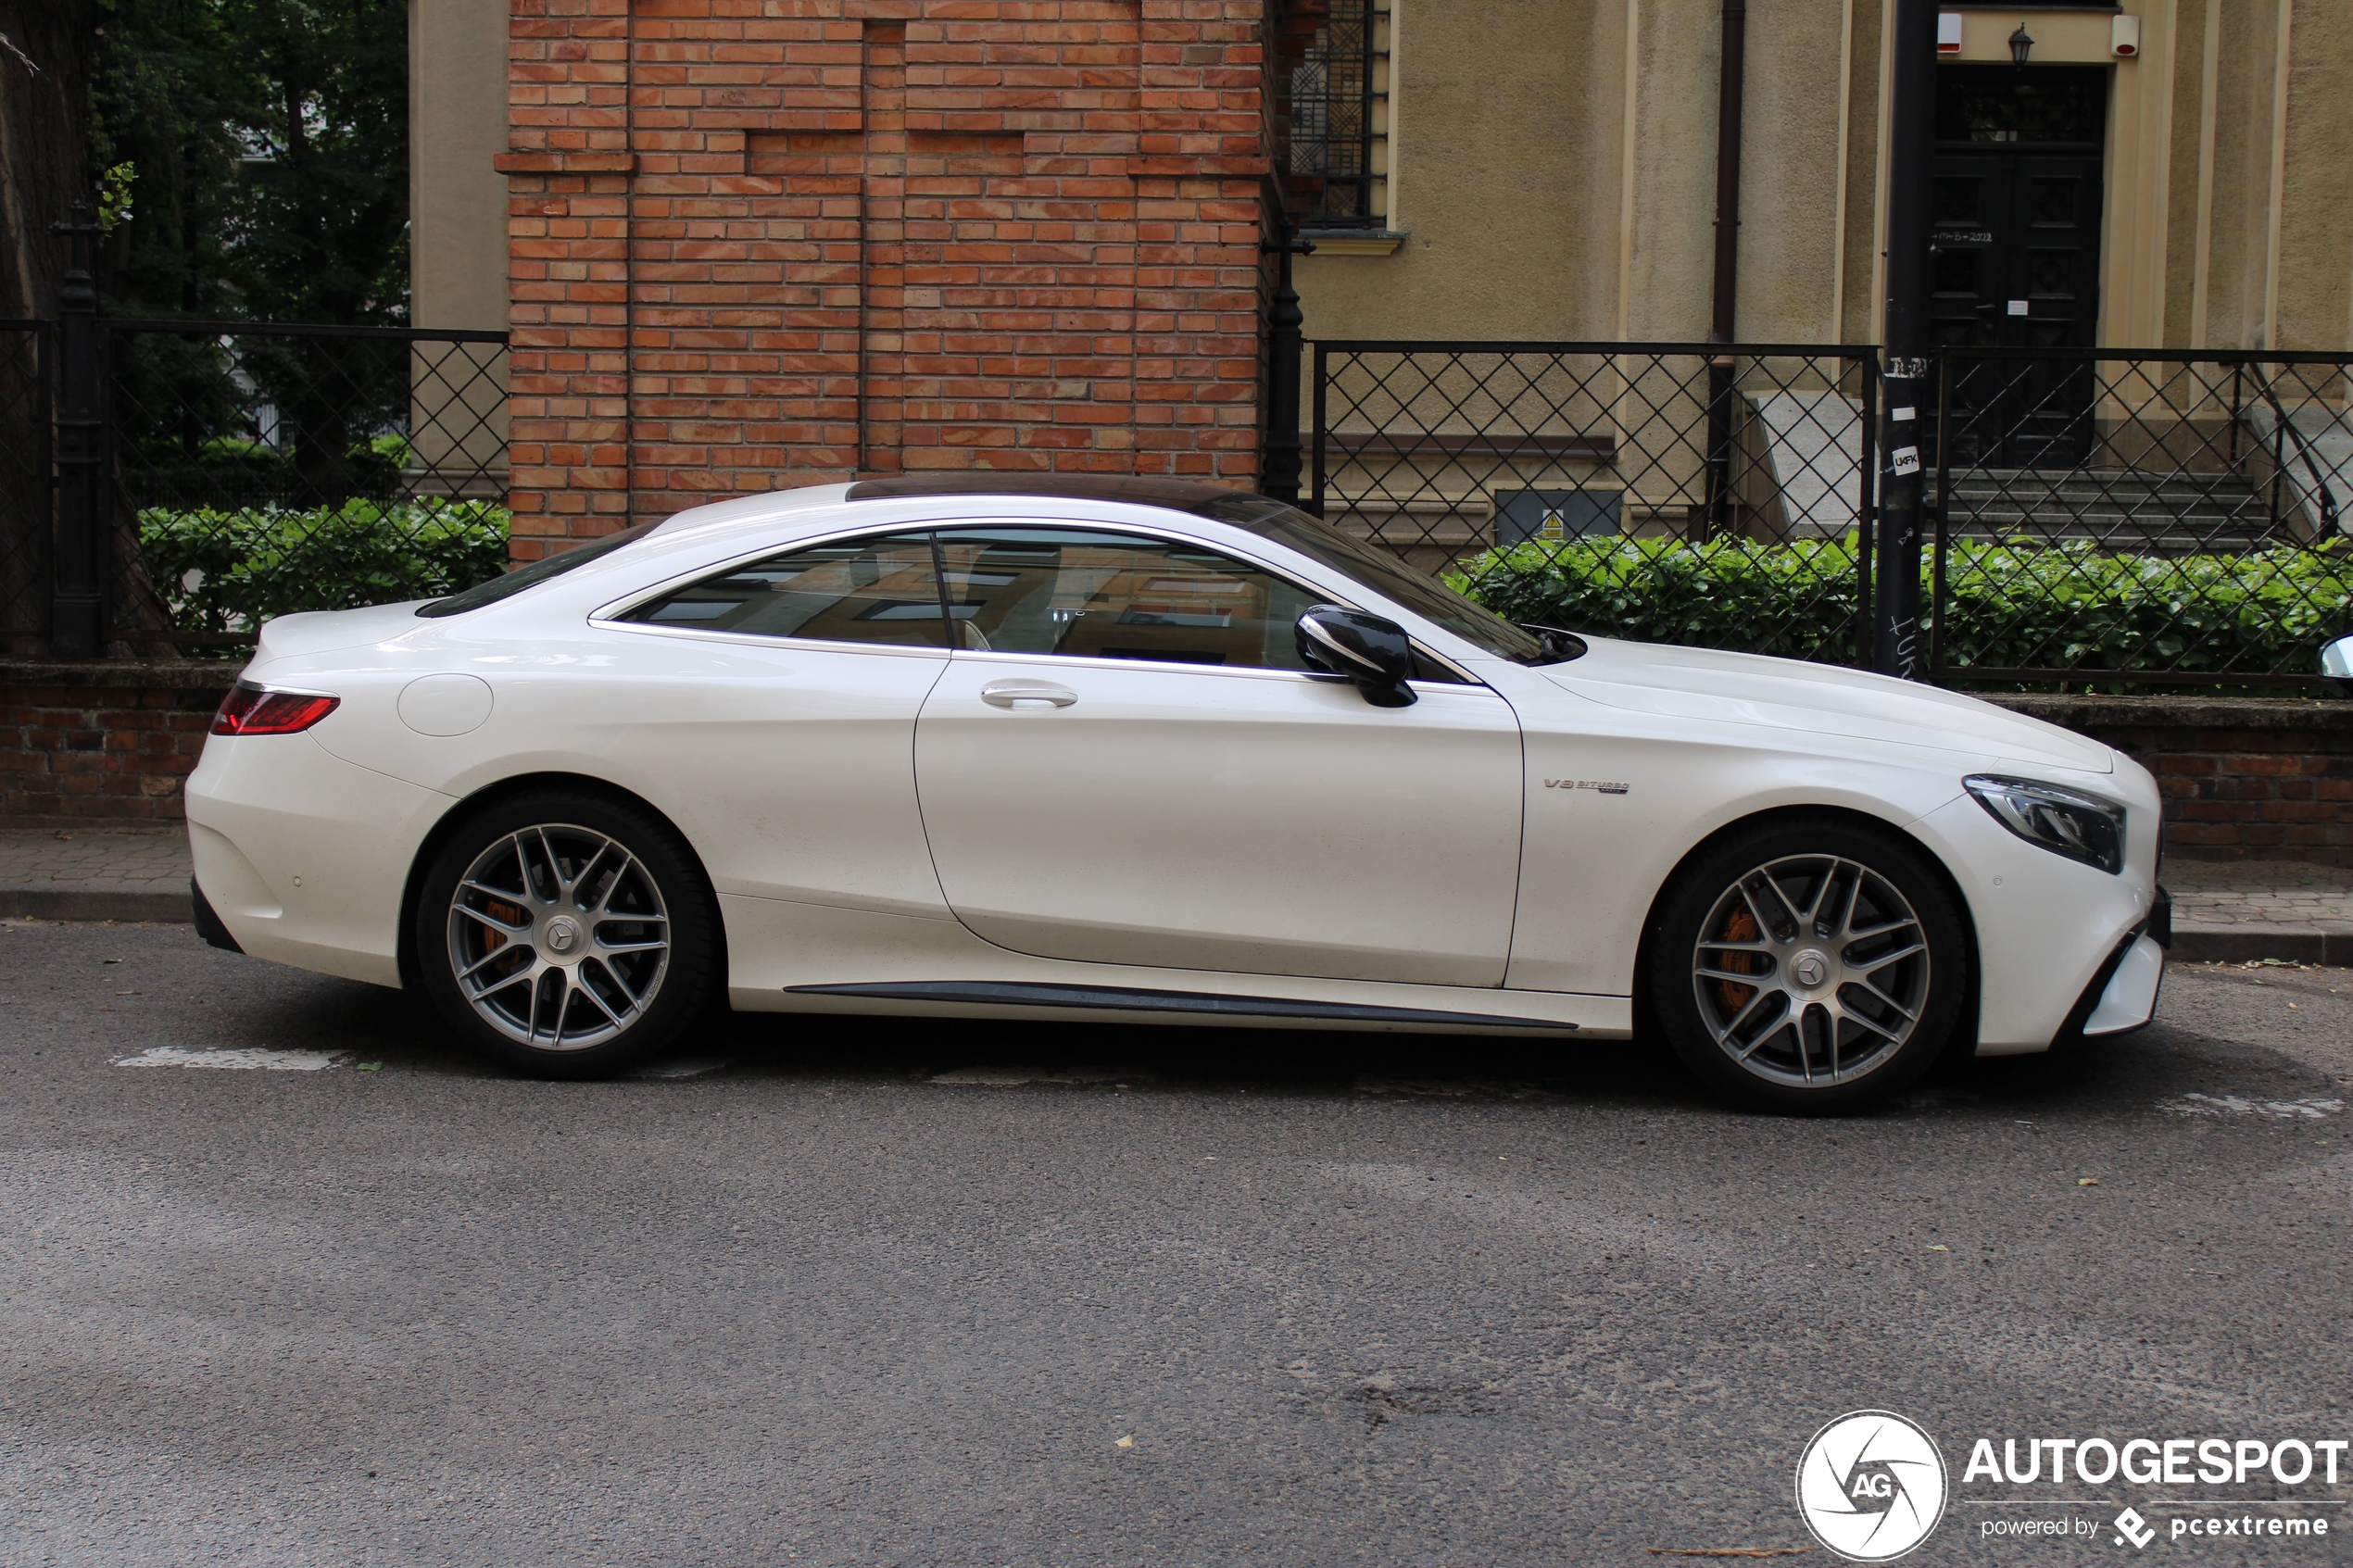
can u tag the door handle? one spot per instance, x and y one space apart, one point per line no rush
1019 695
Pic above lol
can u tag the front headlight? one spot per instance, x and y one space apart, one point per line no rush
2082 827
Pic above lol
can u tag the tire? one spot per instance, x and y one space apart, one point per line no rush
566 934
1814 966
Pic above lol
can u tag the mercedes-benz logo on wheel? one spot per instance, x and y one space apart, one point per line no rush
1872 1486
562 935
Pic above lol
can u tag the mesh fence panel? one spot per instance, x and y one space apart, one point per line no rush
2177 516
26 494
269 469
1682 493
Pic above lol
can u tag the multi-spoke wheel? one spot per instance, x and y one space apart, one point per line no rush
566 934
1813 966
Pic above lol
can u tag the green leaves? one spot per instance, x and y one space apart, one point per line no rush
2008 604
229 570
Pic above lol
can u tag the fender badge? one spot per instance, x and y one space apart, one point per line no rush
1585 784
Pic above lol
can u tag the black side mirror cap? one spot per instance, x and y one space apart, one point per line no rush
1374 654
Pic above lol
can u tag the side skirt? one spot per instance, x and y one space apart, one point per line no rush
1122 999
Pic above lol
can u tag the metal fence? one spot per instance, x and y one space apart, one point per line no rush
2178 516
264 470
25 488
1667 492
2142 519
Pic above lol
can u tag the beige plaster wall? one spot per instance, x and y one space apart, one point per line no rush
458 230
2316 214
1515 150
458 123
1505 180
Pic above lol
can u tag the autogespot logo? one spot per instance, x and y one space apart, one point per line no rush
1872 1486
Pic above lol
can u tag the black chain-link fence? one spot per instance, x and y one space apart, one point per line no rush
26 486
2149 518
1676 493
268 469
2179 516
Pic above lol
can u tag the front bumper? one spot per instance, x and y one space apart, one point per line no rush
2122 996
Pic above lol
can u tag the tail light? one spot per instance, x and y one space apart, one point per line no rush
257 710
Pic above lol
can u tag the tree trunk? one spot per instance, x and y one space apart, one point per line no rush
44 143
44 168
44 157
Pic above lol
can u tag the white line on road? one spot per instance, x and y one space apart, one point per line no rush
248 1059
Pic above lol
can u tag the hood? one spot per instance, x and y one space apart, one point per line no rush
323 631
1788 694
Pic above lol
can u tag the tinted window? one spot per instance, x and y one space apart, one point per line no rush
1392 578
538 572
856 590
1115 595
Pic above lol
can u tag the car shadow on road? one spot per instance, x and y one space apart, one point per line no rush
2136 1073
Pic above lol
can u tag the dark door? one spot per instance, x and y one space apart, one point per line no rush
2015 258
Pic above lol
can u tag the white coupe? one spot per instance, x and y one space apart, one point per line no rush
1157 752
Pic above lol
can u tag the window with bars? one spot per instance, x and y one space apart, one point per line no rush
1334 80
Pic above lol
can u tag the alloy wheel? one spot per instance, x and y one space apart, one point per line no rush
557 937
1811 971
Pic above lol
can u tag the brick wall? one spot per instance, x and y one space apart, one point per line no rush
757 244
2267 778
103 740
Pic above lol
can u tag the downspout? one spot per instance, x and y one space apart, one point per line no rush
1720 390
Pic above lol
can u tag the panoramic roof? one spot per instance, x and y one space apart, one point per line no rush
1176 494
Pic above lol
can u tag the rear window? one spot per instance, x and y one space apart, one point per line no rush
538 572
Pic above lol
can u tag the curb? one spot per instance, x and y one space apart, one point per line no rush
2247 944
53 903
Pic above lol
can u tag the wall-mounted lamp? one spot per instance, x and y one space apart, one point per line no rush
2020 45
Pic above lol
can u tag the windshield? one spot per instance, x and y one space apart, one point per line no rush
538 572
1389 577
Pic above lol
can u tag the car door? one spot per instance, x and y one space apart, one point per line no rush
783 718
1127 762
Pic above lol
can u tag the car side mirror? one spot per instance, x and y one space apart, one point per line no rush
1374 654
2336 661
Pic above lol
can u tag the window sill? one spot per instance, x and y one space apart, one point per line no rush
1353 242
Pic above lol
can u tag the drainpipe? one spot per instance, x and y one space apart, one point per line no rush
1720 390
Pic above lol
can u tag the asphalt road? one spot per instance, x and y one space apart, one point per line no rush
1109 1296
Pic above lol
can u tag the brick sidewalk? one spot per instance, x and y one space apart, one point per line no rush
2221 909
131 871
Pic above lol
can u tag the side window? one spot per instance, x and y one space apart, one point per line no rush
855 591
1117 596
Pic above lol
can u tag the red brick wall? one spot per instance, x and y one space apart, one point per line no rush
766 242
115 742
2268 778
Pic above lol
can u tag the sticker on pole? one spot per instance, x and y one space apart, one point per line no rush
1907 459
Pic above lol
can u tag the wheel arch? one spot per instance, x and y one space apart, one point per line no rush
503 789
1773 817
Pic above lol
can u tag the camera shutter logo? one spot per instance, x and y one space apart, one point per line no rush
1872 1486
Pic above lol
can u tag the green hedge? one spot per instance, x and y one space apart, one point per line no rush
230 570
2011 605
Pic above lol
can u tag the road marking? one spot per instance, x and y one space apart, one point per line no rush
248 1059
1016 1077
2306 1107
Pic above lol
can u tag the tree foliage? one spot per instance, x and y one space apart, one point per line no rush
267 144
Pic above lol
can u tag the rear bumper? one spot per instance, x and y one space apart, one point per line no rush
300 857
